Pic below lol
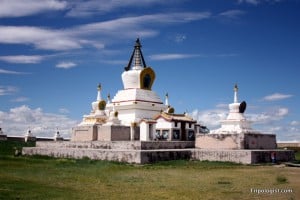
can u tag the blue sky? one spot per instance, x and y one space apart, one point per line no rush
54 53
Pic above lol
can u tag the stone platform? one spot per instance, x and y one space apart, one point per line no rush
148 152
236 141
243 156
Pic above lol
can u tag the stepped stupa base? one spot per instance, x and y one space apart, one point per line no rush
236 141
139 152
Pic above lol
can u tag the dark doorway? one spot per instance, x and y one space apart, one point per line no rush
183 133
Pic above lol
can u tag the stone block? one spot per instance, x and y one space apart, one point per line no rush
236 141
84 133
113 133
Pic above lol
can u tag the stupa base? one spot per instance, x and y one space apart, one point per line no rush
236 141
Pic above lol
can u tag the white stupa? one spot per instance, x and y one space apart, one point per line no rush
136 101
97 115
235 121
57 136
28 136
236 132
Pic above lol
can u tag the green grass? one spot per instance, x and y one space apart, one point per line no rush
41 177
48 178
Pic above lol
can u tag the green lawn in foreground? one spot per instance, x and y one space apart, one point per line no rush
48 178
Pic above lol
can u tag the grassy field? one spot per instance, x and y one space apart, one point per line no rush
48 178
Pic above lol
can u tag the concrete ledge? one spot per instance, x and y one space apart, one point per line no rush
149 152
242 156
128 156
236 141
129 145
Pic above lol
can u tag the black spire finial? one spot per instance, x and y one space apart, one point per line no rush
137 47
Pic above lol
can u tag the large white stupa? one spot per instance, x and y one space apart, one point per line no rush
136 101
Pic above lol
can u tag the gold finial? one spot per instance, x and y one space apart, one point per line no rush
99 87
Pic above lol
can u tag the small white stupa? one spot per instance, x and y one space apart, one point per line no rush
235 121
236 132
97 115
57 136
29 136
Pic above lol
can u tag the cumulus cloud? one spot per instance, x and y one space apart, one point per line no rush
210 118
66 65
7 90
22 59
273 114
17 8
277 97
173 56
17 120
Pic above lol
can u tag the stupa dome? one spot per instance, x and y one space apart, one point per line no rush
138 76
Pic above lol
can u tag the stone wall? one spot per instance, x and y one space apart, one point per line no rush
236 141
260 141
125 145
218 141
129 156
242 156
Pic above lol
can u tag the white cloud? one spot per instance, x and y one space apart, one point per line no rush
22 59
66 65
20 99
91 7
17 120
173 56
180 38
41 38
256 2
137 24
76 37
63 111
4 71
295 123
210 118
232 14
7 90
271 115
17 8
277 97
253 2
